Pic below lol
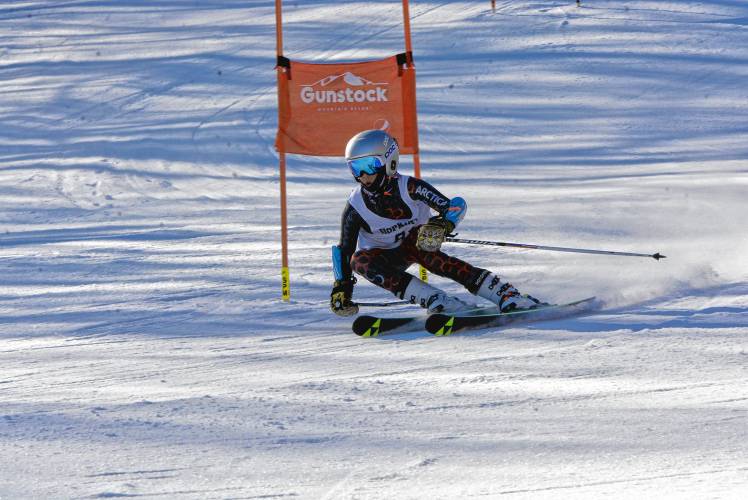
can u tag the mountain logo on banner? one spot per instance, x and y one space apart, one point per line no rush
355 89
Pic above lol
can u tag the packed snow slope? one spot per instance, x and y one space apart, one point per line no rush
145 350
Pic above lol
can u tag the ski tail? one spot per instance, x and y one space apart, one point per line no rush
374 326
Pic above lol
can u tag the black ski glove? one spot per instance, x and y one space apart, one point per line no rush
431 235
340 298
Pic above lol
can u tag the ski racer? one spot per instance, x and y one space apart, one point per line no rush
389 216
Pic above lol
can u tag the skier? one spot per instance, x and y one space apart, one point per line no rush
389 216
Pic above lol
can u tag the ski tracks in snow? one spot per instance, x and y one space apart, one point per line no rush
145 351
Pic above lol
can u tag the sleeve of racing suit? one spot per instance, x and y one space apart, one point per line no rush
453 210
350 224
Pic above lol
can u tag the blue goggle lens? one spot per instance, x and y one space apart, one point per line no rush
366 165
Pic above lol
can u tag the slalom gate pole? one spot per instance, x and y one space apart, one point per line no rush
285 275
656 256
422 271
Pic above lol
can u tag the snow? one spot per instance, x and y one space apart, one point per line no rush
145 350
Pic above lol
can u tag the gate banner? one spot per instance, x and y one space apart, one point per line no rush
323 105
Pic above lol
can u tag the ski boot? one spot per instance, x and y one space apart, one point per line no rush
505 295
433 299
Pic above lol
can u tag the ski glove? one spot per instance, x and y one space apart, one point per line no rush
340 298
431 235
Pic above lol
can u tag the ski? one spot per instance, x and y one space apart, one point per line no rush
446 324
374 326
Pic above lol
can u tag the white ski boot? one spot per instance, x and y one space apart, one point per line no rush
505 295
433 299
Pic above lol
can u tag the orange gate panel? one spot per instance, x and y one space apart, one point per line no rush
323 105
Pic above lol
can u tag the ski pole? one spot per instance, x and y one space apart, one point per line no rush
655 256
382 304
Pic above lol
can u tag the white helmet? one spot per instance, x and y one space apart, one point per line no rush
372 152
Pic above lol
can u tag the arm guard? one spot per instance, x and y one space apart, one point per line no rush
456 211
337 264
350 224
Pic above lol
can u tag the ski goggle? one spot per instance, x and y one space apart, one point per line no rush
367 165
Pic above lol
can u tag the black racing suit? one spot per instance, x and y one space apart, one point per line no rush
386 267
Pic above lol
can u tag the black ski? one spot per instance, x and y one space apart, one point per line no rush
374 326
447 324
